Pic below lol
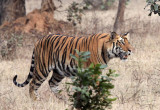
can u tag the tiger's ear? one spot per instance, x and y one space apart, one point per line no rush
127 35
113 35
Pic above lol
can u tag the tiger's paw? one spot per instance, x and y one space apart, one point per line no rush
34 96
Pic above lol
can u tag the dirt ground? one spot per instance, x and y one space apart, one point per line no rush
137 87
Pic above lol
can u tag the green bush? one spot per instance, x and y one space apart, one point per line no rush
89 89
75 11
154 7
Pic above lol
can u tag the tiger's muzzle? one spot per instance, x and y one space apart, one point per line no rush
124 55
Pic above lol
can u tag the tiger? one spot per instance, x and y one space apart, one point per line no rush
52 53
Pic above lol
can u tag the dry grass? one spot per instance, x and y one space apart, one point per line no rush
137 87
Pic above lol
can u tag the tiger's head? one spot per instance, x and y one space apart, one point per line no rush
120 46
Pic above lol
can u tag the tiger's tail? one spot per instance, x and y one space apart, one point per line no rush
30 76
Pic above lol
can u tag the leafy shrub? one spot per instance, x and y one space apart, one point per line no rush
89 89
154 7
75 11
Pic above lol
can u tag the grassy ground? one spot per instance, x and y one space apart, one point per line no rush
137 87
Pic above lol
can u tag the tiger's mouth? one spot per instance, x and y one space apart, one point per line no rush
123 56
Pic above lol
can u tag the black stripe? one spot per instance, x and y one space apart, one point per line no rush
43 65
63 42
64 57
56 74
58 80
97 36
90 40
56 71
68 70
113 48
33 56
85 46
42 69
38 76
57 42
77 41
104 36
71 62
71 45
49 39
29 76
37 84
103 54
51 57
32 61
51 82
60 65
32 69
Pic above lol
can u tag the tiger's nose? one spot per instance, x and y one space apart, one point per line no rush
129 52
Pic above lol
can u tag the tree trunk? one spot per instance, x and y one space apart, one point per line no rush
48 5
120 16
11 10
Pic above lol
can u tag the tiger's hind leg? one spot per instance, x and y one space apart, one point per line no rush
33 87
54 81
